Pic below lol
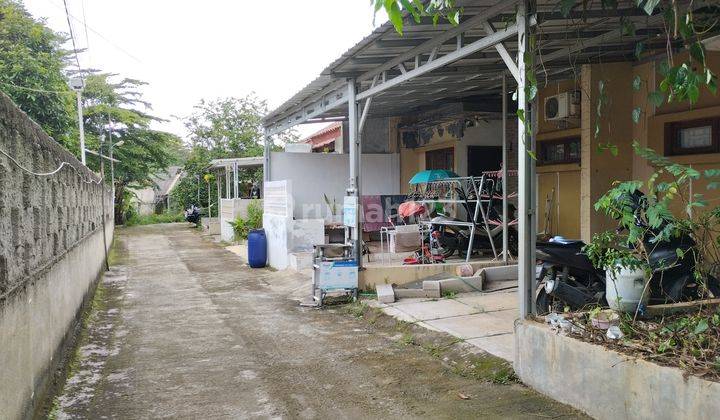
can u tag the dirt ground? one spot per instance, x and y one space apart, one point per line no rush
181 329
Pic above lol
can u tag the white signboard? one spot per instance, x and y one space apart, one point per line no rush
350 215
335 275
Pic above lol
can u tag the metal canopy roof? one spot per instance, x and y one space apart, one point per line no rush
587 36
246 162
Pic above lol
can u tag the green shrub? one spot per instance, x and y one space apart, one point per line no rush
152 219
242 227
255 214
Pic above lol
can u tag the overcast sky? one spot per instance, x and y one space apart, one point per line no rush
189 50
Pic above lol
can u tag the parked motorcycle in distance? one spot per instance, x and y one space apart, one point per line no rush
567 278
192 214
454 238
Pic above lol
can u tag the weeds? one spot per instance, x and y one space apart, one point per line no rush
151 219
449 294
357 309
407 339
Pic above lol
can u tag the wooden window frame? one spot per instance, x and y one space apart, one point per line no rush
542 144
448 151
672 138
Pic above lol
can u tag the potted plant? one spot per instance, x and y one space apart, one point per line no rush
624 254
627 272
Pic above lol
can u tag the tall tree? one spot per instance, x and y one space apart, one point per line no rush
118 107
31 72
223 128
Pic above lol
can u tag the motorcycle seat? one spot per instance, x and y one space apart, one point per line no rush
563 241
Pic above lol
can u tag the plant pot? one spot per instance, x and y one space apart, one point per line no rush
626 288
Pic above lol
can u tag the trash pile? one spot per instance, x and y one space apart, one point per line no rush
689 341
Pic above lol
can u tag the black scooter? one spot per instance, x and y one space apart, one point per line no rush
566 277
192 214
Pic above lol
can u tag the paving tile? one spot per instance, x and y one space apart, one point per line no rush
406 301
490 302
472 326
434 309
398 314
502 346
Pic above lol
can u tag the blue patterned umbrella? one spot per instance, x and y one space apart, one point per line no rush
423 177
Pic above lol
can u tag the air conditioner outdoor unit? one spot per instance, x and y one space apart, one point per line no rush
557 107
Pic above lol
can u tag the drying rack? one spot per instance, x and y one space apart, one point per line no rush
475 194
499 194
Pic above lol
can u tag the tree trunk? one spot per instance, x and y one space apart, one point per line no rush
119 204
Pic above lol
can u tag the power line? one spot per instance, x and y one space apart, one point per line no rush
58 92
51 173
101 36
87 38
72 36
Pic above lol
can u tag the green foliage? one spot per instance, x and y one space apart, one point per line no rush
243 226
144 152
31 72
665 189
255 214
222 128
137 220
435 9
185 192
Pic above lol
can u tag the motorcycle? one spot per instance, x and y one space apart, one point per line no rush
567 277
192 214
453 237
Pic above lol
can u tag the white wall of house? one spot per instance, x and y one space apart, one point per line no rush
485 133
315 174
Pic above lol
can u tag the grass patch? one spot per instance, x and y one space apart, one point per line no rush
488 368
152 219
407 339
356 309
449 294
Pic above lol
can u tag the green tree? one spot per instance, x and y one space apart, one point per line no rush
144 152
223 128
228 125
31 72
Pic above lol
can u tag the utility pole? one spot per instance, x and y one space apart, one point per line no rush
209 203
112 165
78 84
198 189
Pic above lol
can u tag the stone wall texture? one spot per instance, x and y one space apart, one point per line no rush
41 217
51 254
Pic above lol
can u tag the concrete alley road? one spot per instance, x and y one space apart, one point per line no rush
182 329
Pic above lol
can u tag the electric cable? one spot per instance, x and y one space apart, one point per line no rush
99 35
58 92
51 173
72 36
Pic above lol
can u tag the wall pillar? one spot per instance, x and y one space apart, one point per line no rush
599 168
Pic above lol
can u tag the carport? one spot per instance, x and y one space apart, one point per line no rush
390 75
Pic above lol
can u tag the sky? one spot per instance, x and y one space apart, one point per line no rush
192 50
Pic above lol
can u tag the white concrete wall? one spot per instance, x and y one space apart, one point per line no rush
317 173
34 322
606 384
230 209
277 221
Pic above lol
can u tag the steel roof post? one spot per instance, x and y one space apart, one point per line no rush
354 184
504 170
266 156
236 180
526 169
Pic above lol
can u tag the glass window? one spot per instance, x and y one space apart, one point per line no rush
696 137
559 151
692 137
